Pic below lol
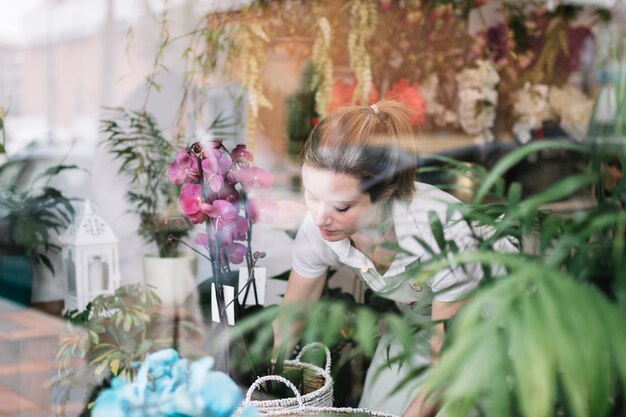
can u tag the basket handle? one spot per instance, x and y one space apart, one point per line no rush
262 379
314 345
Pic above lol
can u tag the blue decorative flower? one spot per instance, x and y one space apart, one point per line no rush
168 386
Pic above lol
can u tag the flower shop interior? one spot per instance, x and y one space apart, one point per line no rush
151 196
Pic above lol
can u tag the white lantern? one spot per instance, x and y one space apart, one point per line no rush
90 259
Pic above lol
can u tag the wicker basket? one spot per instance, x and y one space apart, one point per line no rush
301 409
317 384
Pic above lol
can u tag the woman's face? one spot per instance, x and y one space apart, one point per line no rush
338 207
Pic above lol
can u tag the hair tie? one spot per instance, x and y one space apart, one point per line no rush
375 108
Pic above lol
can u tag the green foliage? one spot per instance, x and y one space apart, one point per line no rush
28 218
301 113
546 337
115 332
135 139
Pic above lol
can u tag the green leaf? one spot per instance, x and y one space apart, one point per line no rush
515 193
365 330
515 157
437 230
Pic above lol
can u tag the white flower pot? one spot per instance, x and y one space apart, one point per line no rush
173 278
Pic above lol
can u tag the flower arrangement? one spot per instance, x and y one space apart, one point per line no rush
536 103
478 98
214 193
167 385
403 91
409 95
343 93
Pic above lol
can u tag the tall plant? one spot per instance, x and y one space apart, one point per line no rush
135 139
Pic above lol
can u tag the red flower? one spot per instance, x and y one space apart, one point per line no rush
409 95
344 92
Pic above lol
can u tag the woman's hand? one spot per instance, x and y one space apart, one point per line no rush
422 407
299 289
441 311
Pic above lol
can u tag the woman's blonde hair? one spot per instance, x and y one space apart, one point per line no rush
374 144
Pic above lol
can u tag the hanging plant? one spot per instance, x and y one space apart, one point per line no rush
252 41
363 21
322 80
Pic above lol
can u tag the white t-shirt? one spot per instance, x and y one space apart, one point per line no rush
312 255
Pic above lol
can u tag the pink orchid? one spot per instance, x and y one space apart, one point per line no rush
241 155
215 163
224 213
231 226
255 177
202 239
235 230
189 202
183 169
228 193
215 144
215 181
236 252
232 176
261 209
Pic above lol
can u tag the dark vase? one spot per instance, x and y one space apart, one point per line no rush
16 276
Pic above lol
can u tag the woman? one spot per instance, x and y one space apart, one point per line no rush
358 175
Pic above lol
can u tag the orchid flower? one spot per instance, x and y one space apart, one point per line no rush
183 169
255 177
241 155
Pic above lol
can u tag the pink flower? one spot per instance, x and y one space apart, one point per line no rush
236 252
215 181
255 177
189 202
215 162
261 209
231 226
202 239
235 230
224 213
183 169
242 155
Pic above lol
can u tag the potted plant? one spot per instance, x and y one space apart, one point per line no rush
135 139
29 221
111 335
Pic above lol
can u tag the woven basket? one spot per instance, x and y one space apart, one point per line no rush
301 409
317 385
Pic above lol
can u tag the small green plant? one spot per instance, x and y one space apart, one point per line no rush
113 334
28 218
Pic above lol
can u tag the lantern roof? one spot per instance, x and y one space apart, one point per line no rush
89 229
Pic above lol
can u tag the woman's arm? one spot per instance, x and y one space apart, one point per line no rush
299 289
421 406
